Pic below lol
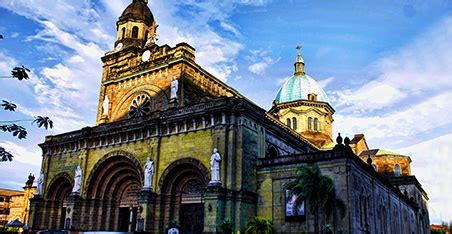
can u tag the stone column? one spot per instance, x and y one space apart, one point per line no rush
74 212
146 210
213 208
35 220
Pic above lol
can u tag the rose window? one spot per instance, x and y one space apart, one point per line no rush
140 106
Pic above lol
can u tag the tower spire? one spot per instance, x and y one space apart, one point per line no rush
299 63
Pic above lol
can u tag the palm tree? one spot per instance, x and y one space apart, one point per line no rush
319 192
260 225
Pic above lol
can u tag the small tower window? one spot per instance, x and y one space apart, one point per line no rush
310 123
294 123
145 37
135 32
123 33
397 170
288 122
316 124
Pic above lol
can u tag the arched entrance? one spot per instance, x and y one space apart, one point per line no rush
183 185
57 196
112 193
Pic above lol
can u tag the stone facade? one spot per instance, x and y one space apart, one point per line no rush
16 204
259 151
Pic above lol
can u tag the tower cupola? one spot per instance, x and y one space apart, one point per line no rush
136 26
299 63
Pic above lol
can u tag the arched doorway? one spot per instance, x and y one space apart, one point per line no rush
183 185
57 196
112 193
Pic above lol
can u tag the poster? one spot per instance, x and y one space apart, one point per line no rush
295 205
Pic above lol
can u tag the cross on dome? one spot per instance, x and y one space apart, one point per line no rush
299 49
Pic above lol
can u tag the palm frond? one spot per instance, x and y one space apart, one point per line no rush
17 131
9 106
43 121
20 73
5 156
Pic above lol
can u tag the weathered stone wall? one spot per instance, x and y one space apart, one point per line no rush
373 204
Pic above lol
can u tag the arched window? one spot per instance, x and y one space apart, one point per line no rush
135 32
288 122
294 123
397 170
316 124
272 151
123 33
310 123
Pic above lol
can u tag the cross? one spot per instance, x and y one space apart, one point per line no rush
299 49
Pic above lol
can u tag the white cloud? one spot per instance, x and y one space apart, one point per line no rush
422 68
399 124
22 154
230 28
260 61
325 82
431 165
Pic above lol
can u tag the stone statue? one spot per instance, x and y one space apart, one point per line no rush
105 105
77 180
31 179
148 173
174 88
40 183
215 161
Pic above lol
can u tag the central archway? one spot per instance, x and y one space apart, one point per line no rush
112 193
182 187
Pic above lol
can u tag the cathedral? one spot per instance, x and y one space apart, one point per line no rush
175 146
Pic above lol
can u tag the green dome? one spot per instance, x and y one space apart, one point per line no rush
298 87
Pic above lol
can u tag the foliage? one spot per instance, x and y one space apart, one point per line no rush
318 190
20 73
173 223
260 225
226 225
43 121
9 106
10 126
16 130
5 156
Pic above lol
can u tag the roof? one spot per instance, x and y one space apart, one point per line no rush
377 152
15 223
357 138
137 10
9 192
298 87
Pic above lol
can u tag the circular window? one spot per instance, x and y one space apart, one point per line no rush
140 106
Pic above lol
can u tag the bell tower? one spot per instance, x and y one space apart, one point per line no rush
136 26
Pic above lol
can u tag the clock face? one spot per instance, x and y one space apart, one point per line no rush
118 47
146 56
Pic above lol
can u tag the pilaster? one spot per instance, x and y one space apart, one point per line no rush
146 210
37 206
214 207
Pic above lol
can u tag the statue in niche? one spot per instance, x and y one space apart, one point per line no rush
215 161
40 183
77 180
105 105
174 88
148 173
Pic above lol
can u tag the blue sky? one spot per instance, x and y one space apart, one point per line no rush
385 65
